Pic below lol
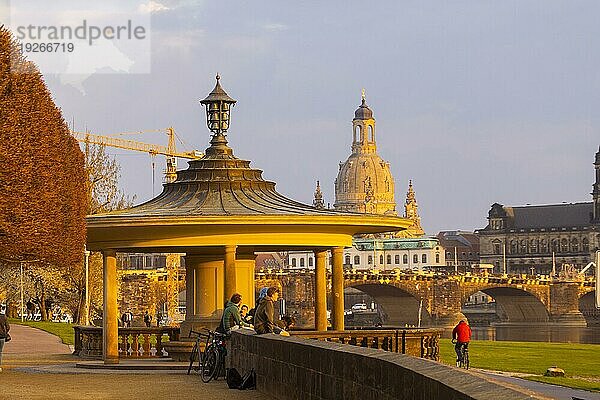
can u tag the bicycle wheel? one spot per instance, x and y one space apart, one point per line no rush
209 363
193 356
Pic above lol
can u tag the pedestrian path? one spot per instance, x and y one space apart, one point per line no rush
28 341
36 365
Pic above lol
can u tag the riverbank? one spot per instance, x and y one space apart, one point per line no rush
530 360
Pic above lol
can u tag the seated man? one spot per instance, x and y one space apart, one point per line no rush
231 315
264 316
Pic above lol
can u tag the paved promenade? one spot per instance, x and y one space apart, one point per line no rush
36 365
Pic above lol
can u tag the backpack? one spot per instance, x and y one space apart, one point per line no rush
249 380
233 378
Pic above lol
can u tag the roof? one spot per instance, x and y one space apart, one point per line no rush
450 239
552 215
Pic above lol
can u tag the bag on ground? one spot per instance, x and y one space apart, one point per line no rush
233 377
249 380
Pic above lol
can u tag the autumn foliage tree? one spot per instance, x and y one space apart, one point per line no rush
42 179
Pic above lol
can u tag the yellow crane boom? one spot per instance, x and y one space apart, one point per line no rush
127 144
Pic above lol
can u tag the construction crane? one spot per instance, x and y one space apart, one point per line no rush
169 151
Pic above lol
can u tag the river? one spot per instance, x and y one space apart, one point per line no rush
535 333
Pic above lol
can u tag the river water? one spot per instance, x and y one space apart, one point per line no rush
529 333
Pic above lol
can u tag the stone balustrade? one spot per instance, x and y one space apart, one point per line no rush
137 342
423 343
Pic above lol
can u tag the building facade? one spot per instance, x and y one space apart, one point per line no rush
540 239
383 254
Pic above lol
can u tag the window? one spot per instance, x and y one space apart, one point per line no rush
415 259
543 246
356 260
357 133
513 247
371 134
381 259
293 262
347 260
574 245
388 259
370 260
302 262
310 261
564 246
437 258
424 258
397 259
555 246
497 248
586 244
533 246
523 247
405 259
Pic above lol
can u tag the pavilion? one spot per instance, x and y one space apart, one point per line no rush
220 212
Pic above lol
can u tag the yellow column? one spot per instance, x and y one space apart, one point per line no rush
190 288
110 331
320 291
337 284
230 285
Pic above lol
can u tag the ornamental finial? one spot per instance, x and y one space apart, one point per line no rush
363 94
218 77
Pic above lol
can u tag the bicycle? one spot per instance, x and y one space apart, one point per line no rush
196 354
211 361
213 357
463 361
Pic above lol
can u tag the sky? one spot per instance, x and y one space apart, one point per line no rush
476 101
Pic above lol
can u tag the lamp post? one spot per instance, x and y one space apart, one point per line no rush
86 315
21 264
218 106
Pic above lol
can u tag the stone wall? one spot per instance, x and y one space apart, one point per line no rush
293 368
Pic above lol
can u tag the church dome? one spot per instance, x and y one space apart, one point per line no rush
364 182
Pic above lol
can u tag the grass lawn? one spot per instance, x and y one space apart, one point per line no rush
581 362
63 330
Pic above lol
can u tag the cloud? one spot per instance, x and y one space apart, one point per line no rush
152 7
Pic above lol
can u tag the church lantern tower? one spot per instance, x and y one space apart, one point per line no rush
411 211
364 182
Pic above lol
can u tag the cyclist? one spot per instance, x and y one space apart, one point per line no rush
231 315
462 335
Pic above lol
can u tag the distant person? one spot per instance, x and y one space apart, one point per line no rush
127 319
461 335
147 319
30 308
264 316
4 328
159 318
231 315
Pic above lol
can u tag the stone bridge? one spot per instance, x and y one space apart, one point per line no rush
519 299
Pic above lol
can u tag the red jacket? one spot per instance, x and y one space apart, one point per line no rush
462 332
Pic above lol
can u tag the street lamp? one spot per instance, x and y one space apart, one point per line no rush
218 106
86 315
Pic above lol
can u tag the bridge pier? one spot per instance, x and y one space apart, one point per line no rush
564 304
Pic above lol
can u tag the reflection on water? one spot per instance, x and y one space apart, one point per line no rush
528 333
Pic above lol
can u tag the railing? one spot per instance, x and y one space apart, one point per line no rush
133 342
422 343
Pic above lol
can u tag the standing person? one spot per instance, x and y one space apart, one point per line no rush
30 307
264 317
231 315
147 319
127 318
462 335
4 328
159 318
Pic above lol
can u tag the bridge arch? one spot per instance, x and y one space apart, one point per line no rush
399 305
515 305
587 306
